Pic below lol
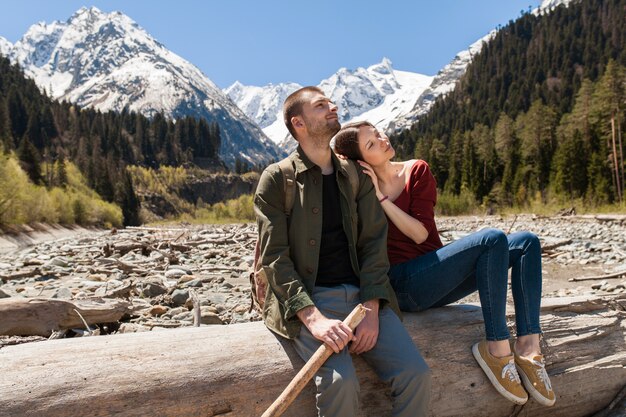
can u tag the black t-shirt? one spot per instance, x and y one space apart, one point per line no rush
334 266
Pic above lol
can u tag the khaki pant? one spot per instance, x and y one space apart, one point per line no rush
395 359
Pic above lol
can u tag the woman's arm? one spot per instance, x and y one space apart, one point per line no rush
407 224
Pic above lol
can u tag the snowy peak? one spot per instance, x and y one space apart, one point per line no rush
261 104
89 44
5 46
378 93
548 5
108 62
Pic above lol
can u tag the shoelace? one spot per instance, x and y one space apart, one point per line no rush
542 374
510 371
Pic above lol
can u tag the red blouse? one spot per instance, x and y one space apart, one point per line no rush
418 198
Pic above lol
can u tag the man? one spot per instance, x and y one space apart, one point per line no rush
327 256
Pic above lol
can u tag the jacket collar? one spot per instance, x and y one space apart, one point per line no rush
303 163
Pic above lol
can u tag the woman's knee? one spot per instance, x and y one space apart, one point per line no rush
494 237
528 241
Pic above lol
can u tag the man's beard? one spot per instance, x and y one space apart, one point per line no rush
323 132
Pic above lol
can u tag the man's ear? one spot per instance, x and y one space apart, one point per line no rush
297 122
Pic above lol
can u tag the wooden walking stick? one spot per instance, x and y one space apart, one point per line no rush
298 382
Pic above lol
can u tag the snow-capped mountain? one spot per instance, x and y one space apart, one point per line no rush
442 83
392 100
447 77
5 46
378 94
108 62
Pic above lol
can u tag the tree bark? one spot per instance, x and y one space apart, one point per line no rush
238 370
42 316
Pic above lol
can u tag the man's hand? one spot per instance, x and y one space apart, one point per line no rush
367 332
332 332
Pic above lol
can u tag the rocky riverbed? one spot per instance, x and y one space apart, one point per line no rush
161 270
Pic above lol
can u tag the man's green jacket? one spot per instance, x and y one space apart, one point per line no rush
290 245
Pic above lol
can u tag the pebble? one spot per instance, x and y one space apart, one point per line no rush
153 289
209 317
179 297
174 273
158 310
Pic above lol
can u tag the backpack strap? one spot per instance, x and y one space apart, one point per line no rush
258 280
289 183
353 175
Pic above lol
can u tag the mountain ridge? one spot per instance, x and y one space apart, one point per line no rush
108 62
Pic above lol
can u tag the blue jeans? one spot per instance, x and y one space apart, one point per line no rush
480 262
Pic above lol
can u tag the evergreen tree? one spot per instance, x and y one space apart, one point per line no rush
535 130
128 201
5 133
18 117
606 114
30 161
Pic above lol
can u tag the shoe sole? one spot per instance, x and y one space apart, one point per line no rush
537 396
494 381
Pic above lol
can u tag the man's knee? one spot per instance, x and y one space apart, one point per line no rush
417 369
338 389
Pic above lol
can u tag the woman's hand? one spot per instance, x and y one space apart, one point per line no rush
367 169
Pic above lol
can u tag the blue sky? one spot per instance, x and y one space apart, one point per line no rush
271 41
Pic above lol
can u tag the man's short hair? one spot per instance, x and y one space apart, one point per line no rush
293 106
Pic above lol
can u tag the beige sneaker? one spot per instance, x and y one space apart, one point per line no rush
536 379
501 372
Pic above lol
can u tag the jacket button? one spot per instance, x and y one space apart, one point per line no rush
309 270
315 210
312 242
315 181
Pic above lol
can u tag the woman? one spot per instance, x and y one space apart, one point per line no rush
427 274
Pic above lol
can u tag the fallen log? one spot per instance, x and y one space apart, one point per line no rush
28 273
238 370
552 246
42 316
613 275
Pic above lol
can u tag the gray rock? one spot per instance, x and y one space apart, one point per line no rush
153 289
63 293
175 273
180 267
58 261
4 294
195 283
184 316
179 297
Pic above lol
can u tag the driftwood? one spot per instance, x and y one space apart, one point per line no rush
238 370
552 246
42 316
21 274
593 278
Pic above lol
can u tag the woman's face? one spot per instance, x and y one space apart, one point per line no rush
374 146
